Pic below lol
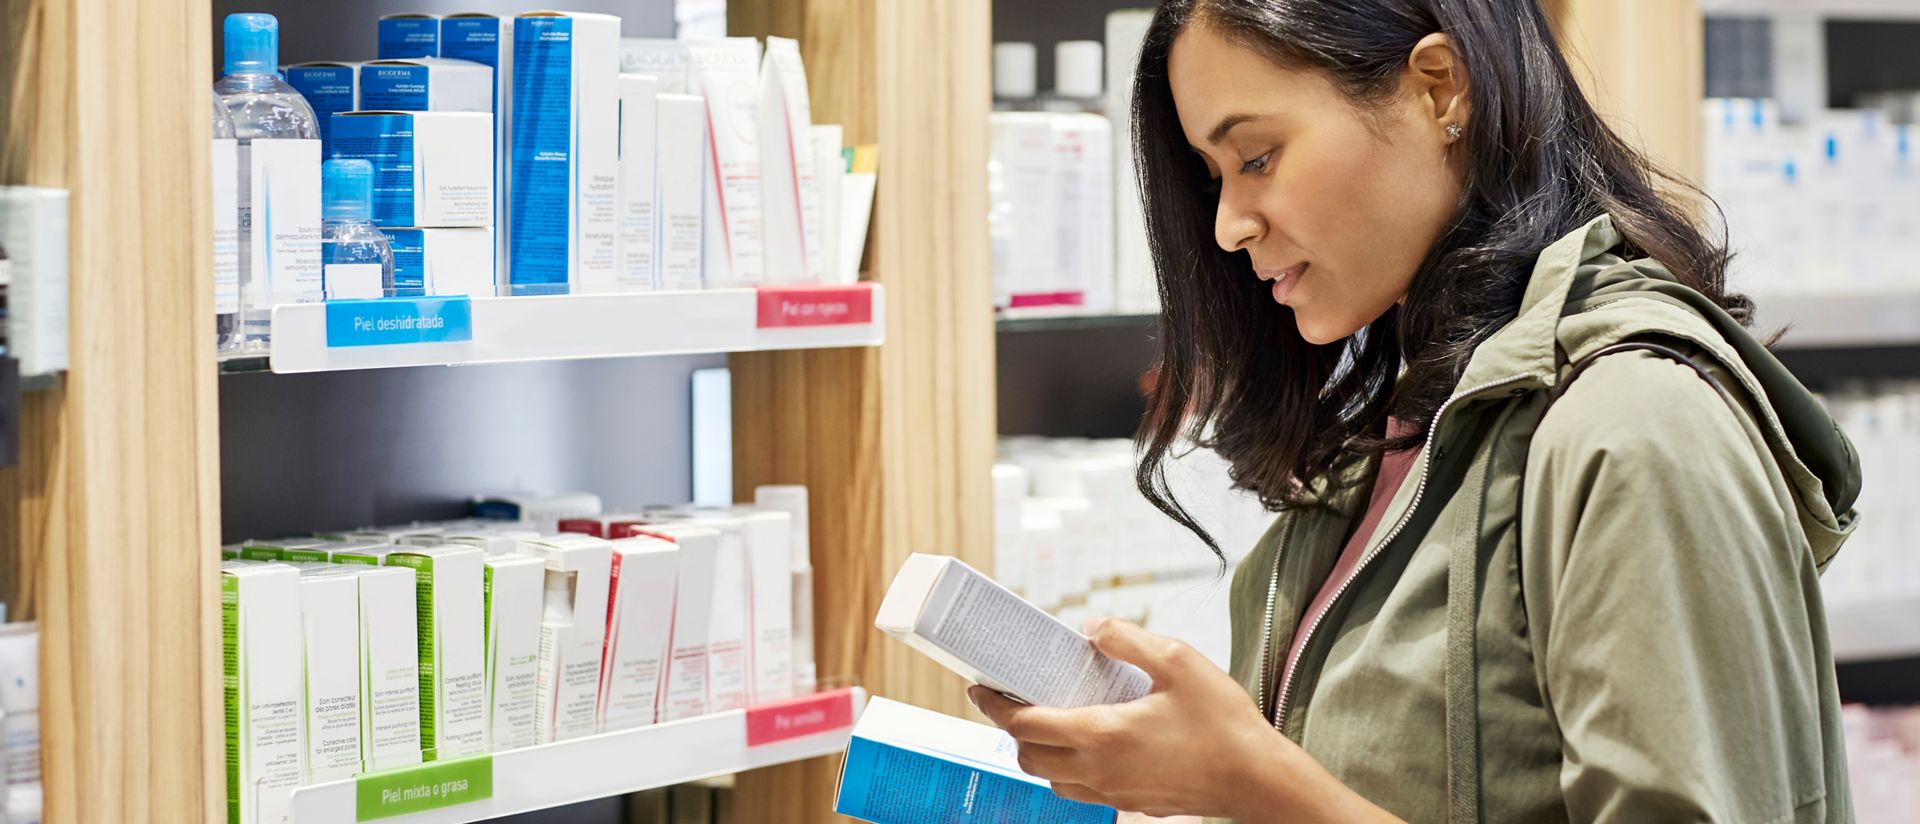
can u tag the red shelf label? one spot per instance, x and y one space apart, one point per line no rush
791 306
824 712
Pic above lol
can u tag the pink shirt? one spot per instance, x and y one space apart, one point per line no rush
1394 467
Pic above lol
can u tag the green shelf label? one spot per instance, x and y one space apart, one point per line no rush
429 786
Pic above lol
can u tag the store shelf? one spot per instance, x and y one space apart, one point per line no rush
568 327
584 769
1856 9
1875 628
1064 323
1827 321
38 383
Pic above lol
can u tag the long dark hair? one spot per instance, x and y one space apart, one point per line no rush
1234 373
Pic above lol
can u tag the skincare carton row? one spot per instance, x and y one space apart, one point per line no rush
369 649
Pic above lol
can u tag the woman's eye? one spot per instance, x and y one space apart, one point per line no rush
1256 165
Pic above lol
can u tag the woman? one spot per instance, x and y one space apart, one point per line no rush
1551 519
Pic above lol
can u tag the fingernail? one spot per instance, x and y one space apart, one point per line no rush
1091 625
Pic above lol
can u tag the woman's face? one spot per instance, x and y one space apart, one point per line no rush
1334 205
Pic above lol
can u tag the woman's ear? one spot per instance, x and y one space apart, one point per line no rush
1438 76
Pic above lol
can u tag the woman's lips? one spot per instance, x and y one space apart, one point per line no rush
1284 280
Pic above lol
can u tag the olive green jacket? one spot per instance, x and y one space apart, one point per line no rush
1590 601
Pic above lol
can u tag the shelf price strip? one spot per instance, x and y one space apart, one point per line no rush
794 306
397 321
430 786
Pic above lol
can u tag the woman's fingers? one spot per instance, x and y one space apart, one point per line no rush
1056 764
1162 658
1078 792
1028 724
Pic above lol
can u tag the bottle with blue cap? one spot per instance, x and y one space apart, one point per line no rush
226 261
262 107
356 258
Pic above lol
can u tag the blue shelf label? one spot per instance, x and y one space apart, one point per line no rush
395 321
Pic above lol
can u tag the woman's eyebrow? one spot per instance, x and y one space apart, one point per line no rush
1227 123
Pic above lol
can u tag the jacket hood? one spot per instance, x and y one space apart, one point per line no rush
1583 296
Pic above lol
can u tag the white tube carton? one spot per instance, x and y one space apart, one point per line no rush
389 667
639 629
661 58
430 168
680 176
769 541
686 690
364 554
1136 291
329 87
515 586
449 583
284 549
409 535
573 627
330 632
281 201
260 627
492 542
729 655
639 128
725 72
409 34
442 262
426 84
488 40
792 499
829 175
789 201
563 216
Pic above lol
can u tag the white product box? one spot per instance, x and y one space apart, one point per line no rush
515 585
790 204
488 40
449 583
725 72
681 177
426 84
856 212
226 227
33 227
1024 214
409 35
543 511
260 616
442 262
563 219
280 213
364 555
1135 289
769 538
639 130
430 168
492 542
792 499
639 630
729 627
660 58
407 535
686 690
977 628
292 550
329 87
390 666
573 631
330 623
1083 166
829 176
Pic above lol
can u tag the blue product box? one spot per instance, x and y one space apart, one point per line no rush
426 84
409 35
329 88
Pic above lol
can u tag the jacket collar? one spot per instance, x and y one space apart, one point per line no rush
1528 344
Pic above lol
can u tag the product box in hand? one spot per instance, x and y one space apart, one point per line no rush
408 35
329 87
573 631
448 262
905 765
449 583
564 156
639 629
426 84
430 168
515 589
979 629
261 654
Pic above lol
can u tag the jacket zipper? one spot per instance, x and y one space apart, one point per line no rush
1426 469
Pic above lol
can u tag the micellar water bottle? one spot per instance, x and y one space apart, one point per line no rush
356 259
226 240
263 107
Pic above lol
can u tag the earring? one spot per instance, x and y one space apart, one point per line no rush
1453 132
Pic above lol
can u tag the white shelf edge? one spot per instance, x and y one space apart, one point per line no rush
574 327
1874 627
1853 9
598 766
1840 320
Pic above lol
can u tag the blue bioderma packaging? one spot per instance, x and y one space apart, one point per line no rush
409 35
329 87
430 169
426 84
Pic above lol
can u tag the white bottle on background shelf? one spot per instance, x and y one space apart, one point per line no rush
226 232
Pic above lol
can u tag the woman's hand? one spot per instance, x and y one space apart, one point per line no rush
1196 745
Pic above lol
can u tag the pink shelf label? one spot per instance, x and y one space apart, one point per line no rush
790 306
824 712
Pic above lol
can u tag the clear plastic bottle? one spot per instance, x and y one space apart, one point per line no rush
1079 67
263 107
356 259
226 264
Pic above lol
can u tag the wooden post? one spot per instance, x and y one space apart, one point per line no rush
113 515
1643 63
895 445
